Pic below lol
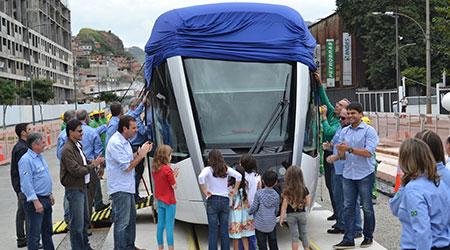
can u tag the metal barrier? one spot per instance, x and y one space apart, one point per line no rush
404 125
8 138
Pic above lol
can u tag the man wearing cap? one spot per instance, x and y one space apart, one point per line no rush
36 184
95 122
103 119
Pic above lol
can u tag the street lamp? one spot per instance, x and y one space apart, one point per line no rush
29 67
428 54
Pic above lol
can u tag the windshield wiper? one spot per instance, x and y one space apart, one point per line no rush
276 115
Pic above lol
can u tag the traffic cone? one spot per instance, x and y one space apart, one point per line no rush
2 157
397 179
48 138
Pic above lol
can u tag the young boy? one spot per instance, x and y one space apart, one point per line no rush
264 209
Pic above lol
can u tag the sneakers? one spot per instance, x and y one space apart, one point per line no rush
332 217
358 235
335 230
366 243
21 244
334 225
344 245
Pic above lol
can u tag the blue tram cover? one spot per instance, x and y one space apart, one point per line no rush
253 32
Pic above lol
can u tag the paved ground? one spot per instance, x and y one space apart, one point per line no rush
387 231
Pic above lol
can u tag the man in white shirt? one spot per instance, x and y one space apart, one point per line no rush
120 162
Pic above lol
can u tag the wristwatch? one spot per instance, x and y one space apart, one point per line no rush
350 150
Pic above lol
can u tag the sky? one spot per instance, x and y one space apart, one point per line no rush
132 20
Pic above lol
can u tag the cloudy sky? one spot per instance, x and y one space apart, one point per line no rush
132 20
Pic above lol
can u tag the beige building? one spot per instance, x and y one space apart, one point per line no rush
48 43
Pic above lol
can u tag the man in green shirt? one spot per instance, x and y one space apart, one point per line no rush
103 119
330 124
94 122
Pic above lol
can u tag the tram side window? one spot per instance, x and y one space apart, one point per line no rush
163 115
310 144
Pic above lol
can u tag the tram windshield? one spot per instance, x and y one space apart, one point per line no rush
233 101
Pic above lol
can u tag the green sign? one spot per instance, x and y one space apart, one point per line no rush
330 63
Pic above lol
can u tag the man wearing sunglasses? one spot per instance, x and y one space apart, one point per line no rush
330 124
75 177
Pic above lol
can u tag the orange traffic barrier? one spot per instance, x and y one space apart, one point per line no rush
398 179
2 157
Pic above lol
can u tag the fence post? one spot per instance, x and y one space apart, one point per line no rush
436 124
422 122
377 123
409 124
387 129
449 124
397 124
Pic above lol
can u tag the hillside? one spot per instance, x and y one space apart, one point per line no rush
102 42
137 53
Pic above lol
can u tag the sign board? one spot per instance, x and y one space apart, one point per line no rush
347 59
330 63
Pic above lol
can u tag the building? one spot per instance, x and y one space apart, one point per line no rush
339 57
41 29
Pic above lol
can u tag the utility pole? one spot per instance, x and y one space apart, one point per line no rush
397 66
428 56
30 72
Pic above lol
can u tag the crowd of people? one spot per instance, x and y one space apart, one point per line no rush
242 206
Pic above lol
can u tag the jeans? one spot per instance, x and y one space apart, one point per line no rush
79 219
66 210
297 225
217 209
124 209
21 220
364 188
339 196
262 242
98 198
329 178
138 172
166 219
40 224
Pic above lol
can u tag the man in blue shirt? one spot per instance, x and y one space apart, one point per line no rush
121 161
22 131
338 179
136 108
36 184
358 145
116 112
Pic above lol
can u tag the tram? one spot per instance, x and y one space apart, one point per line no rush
234 77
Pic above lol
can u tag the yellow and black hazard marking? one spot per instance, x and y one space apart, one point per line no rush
100 218
59 227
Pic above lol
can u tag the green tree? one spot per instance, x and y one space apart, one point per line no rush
8 91
377 34
107 97
42 90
